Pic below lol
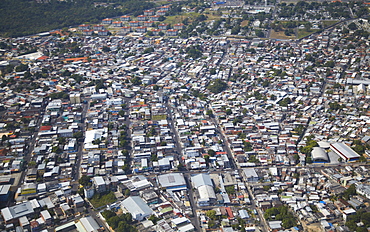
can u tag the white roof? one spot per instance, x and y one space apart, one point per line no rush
98 180
90 224
201 179
135 205
343 150
45 214
4 189
206 192
318 153
171 180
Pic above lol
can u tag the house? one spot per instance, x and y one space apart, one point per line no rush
178 26
141 29
171 32
133 23
156 31
117 24
98 27
103 32
154 18
163 26
125 29
148 12
161 13
141 18
84 27
125 18
107 21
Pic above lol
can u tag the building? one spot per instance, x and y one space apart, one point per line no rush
45 215
11 214
84 27
89 224
250 175
117 24
345 152
4 192
75 98
172 181
125 18
136 207
99 184
203 183
98 27
103 32
178 26
148 12
133 23
319 155
107 21
171 32
141 18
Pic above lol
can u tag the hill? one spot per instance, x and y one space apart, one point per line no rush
27 17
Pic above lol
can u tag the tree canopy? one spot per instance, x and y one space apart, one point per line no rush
217 86
19 17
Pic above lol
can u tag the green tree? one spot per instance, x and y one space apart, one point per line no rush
230 189
136 81
85 181
217 86
211 214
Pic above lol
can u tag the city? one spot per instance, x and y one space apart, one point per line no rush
137 124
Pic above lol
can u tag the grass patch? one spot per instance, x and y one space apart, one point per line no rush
244 23
99 200
179 18
279 35
328 23
302 32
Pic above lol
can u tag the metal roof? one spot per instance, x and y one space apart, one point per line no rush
201 179
319 154
343 150
136 206
171 180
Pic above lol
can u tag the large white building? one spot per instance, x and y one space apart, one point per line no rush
203 183
172 181
345 152
136 207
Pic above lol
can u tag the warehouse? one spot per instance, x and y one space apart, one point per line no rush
172 181
345 152
136 207
203 183
319 155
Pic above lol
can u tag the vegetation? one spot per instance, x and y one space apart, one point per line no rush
85 181
281 213
59 95
350 191
29 17
360 216
119 223
217 86
230 189
194 52
99 200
